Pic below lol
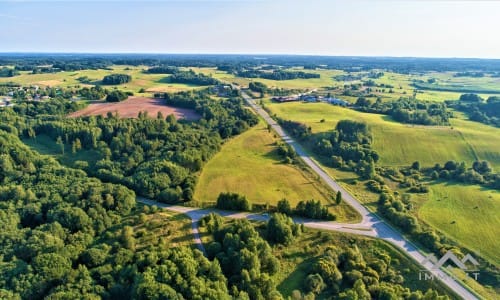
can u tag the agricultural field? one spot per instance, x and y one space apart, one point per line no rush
250 165
401 144
448 208
150 83
132 106
471 216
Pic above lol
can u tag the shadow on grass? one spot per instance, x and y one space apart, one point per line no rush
294 280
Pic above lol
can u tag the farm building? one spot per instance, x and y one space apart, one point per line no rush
282 99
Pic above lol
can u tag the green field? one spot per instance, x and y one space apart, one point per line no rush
401 144
470 214
151 83
249 165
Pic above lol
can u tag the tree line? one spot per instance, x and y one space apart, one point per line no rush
478 109
408 110
276 74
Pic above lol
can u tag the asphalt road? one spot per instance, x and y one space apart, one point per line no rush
369 220
370 225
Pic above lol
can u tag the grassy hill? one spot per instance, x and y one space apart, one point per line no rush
472 216
401 144
250 165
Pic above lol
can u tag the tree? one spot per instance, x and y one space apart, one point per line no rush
338 198
284 207
280 229
114 79
59 142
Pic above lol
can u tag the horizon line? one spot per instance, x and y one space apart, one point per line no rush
243 54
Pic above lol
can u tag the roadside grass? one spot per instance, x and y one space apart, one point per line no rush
250 165
468 213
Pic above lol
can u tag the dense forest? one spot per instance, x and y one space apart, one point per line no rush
157 157
246 258
66 235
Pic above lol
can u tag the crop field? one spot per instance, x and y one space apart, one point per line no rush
132 106
469 214
151 83
249 165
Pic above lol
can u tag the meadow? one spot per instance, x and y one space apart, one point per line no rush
401 144
150 83
450 208
472 216
250 165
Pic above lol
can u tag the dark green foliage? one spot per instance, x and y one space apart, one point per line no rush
53 107
480 173
347 273
190 77
281 229
314 283
258 87
233 201
157 157
115 79
338 198
8 72
350 142
116 96
286 151
213 222
276 74
162 70
284 207
408 110
246 259
485 112
313 210
296 129
470 98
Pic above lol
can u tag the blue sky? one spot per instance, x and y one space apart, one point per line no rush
328 27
